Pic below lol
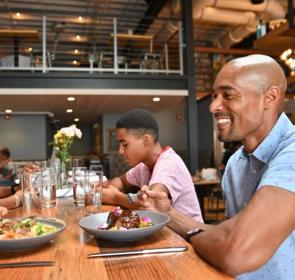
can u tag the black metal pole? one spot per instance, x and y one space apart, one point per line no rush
189 71
291 13
16 50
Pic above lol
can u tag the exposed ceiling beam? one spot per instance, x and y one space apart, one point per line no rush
155 6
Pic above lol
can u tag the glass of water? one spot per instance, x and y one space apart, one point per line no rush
49 176
79 186
32 190
95 182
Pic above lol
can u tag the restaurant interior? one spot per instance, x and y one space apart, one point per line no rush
87 62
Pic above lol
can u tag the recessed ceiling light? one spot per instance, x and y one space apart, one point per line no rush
8 111
75 62
18 14
156 99
69 110
30 49
76 51
78 37
76 119
71 98
80 18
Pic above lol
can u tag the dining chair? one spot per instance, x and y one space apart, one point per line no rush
152 61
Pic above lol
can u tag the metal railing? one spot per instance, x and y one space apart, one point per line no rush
119 51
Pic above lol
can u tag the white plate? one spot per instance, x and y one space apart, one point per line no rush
90 224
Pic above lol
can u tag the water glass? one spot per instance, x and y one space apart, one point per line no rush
94 201
27 196
96 188
49 177
32 190
79 186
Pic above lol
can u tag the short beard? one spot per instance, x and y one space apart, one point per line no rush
230 137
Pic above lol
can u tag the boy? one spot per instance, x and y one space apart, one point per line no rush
159 168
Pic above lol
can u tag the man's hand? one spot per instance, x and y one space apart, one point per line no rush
3 211
153 200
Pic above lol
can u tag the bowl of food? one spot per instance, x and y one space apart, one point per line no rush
19 234
124 225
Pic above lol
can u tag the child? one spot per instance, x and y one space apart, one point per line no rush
159 168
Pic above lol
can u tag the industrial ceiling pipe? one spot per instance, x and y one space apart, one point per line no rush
242 14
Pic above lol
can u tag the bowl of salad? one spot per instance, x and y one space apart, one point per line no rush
18 234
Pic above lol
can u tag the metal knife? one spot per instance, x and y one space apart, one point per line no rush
139 252
27 264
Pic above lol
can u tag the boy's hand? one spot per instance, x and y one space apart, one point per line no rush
153 200
110 194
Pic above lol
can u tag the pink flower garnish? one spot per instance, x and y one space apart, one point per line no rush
146 219
117 211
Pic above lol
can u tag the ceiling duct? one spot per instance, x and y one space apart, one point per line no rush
210 14
243 14
170 27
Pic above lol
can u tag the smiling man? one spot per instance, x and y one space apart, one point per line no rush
159 168
258 239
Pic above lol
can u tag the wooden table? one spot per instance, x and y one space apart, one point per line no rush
136 37
71 247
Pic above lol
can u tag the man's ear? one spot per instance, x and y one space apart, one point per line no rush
147 139
272 97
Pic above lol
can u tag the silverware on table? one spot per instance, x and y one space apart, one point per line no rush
139 252
27 264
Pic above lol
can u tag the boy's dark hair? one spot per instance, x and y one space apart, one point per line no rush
139 121
5 152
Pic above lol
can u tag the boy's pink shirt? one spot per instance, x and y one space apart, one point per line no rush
170 171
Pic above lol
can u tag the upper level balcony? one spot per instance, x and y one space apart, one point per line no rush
94 43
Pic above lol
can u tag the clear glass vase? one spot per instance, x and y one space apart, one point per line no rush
62 176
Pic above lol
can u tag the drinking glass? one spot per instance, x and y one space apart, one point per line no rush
27 196
79 186
32 190
94 201
49 182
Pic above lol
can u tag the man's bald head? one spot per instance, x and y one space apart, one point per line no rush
263 72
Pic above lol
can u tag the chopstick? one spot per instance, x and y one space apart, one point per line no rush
27 264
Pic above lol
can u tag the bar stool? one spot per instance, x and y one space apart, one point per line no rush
105 60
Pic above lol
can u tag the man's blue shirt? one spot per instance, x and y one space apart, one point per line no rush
272 163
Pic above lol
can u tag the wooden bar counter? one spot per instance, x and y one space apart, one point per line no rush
70 249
